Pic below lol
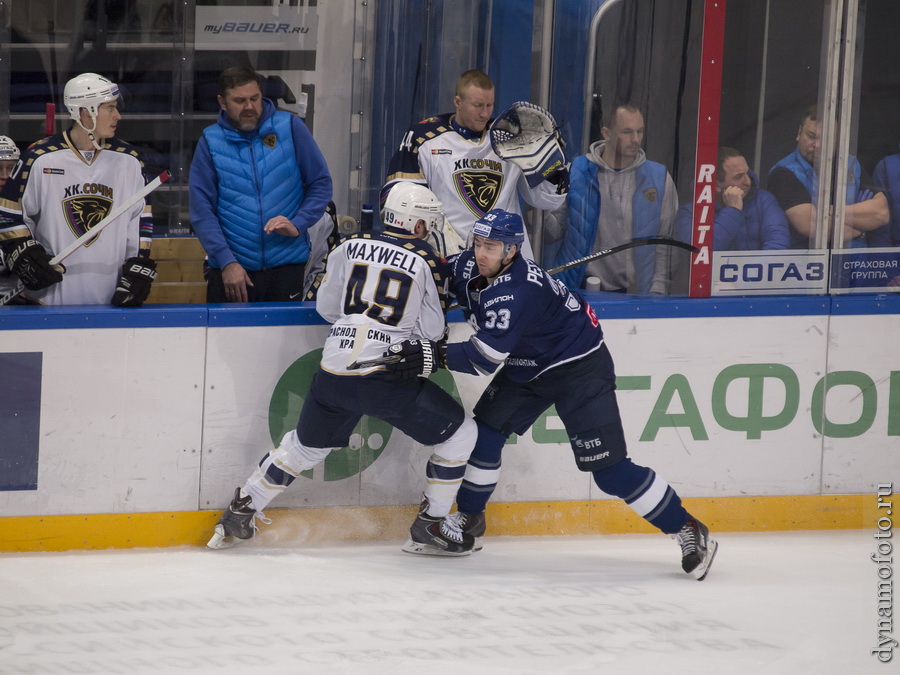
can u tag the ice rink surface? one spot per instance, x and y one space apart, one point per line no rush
778 603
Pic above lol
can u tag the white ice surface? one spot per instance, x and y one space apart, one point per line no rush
780 603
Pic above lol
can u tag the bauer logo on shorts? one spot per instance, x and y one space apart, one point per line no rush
82 212
270 140
478 190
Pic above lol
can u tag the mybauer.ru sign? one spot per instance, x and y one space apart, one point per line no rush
273 27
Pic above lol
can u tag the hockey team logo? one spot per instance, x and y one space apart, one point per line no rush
478 190
83 212
368 440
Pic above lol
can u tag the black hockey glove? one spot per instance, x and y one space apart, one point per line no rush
134 284
560 178
417 357
31 263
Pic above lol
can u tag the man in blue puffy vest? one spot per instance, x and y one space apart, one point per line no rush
794 181
615 195
258 183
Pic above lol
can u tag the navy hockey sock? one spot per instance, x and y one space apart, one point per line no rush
482 471
650 496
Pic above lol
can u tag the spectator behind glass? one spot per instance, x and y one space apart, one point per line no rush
615 195
258 184
794 181
887 177
451 154
747 217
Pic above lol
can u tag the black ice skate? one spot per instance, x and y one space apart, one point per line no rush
236 524
472 524
697 548
430 535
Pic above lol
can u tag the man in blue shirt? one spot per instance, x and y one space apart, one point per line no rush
747 217
258 183
551 347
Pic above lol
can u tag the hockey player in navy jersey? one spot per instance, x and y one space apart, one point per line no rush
378 289
551 347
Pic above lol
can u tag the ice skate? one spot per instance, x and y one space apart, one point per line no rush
236 524
472 524
698 550
430 535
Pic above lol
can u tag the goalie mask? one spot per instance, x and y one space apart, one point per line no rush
502 226
407 204
89 91
9 152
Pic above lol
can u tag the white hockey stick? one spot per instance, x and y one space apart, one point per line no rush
94 231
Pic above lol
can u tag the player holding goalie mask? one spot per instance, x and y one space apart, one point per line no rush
474 163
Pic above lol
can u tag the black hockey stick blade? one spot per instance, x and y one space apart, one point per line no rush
380 361
646 241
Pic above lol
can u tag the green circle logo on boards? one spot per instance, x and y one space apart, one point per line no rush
369 438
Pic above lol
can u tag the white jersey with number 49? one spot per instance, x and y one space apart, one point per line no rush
379 289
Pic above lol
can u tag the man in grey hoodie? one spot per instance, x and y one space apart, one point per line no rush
615 195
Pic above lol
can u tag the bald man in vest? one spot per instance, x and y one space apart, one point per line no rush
794 181
615 195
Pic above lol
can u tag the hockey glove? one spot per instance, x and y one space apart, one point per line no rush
134 285
560 178
417 357
526 135
31 263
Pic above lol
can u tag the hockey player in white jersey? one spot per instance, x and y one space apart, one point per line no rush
9 155
552 350
452 154
379 289
63 186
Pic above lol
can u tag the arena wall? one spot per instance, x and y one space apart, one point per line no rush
132 428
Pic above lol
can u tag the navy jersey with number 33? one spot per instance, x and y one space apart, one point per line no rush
525 318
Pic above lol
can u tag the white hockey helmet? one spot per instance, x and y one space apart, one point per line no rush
408 203
9 152
88 91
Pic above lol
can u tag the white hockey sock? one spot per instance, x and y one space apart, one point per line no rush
446 468
280 467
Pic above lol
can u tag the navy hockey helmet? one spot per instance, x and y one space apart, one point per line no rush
503 226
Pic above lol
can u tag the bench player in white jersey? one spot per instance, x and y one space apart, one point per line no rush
452 155
63 186
9 157
378 289
551 346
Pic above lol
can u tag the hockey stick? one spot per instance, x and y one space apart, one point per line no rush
657 241
94 231
359 340
379 361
